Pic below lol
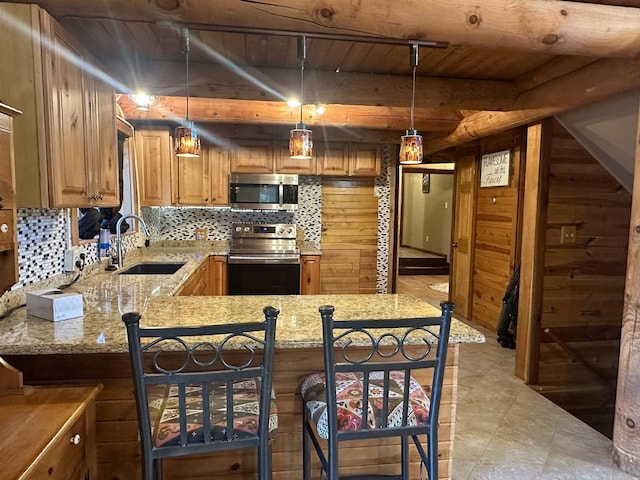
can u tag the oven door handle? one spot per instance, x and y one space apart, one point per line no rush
262 260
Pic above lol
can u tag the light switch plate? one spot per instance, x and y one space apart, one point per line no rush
568 234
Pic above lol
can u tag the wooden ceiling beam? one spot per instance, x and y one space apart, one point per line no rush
320 87
559 27
207 110
591 83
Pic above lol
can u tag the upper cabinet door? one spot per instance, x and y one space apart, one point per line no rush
193 180
219 173
364 160
252 156
153 147
7 188
69 122
333 159
285 164
106 184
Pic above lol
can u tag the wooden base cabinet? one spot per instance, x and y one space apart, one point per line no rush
49 433
310 275
209 279
65 141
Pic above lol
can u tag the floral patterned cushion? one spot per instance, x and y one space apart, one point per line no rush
349 390
165 421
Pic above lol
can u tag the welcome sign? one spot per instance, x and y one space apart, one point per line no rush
495 169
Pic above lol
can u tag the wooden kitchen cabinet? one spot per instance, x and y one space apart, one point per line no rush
203 181
8 234
209 279
333 159
218 275
310 275
285 164
49 433
154 154
252 156
66 134
265 156
343 159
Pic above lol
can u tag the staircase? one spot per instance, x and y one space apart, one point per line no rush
423 266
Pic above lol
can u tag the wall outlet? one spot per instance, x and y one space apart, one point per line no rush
568 234
426 238
70 257
200 234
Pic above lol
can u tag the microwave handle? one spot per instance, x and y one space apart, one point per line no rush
281 194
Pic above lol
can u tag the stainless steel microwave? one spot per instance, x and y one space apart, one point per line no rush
249 191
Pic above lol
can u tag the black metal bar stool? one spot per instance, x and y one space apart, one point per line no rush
373 391
203 389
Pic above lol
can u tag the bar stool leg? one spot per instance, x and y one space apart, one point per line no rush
306 457
405 457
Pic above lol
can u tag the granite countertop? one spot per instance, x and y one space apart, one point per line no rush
107 295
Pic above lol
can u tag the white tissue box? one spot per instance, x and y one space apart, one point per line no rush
54 305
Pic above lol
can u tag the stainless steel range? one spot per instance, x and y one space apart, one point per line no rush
264 260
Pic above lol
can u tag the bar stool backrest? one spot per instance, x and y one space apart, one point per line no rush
195 364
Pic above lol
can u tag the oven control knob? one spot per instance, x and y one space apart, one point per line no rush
238 229
247 229
281 231
289 230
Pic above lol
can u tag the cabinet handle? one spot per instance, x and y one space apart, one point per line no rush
75 439
206 199
4 228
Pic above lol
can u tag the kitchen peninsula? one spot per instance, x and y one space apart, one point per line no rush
92 349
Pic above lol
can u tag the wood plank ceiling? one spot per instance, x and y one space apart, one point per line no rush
506 63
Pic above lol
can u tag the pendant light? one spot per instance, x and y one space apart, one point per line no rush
186 136
300 141
411 144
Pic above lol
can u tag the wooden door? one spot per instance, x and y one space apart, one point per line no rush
7 187
219 175
333 159
364 160
105 160
252 156
349 236
193 179
153 151
218 275
463 225
68 122
310 275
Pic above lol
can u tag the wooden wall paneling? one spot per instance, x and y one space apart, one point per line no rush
583 281
496 235
531 265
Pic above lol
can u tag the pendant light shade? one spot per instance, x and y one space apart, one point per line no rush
187 141
300 138
186 136
411 143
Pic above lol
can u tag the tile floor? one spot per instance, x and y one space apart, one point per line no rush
505 430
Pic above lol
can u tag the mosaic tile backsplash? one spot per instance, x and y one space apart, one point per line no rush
42 240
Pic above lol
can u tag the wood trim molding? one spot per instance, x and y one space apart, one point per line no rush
536 188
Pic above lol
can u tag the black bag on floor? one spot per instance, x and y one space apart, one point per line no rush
508 321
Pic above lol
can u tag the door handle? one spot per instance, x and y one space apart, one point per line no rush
454 244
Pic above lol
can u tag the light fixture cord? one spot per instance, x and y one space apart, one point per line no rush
414 64
302 55
186 53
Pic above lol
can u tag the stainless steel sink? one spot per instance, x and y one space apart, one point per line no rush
152 269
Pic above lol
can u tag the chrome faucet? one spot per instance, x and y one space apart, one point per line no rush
120 254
